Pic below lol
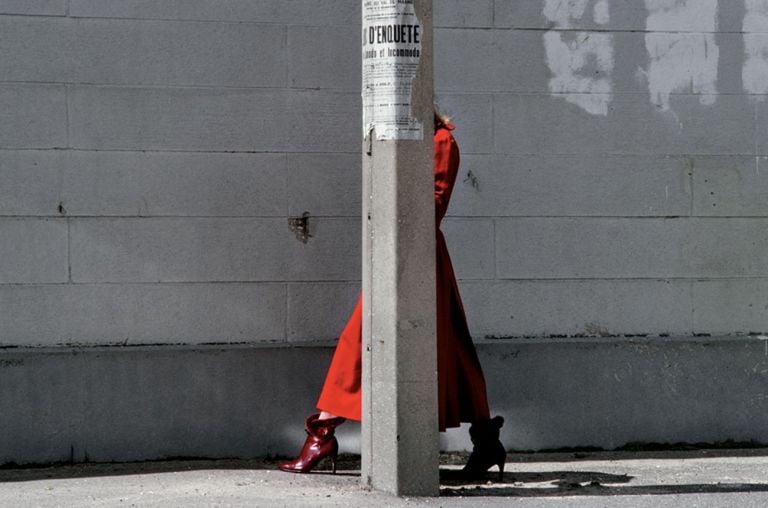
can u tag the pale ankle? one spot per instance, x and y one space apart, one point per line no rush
325 415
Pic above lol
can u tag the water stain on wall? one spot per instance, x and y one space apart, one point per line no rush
755 71
299 226
683 55
581 63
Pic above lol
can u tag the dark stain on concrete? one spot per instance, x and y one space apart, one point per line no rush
299 226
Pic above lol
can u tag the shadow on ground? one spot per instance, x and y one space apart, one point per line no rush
511 484
566 485
61 471
587 483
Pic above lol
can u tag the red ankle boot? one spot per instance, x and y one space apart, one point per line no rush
320 443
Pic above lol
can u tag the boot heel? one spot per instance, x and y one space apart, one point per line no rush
501 470
334 454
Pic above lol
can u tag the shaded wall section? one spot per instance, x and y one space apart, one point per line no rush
138 403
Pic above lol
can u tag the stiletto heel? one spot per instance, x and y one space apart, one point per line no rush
320 443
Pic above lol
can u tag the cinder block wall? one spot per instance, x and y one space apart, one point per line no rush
152 153
613 182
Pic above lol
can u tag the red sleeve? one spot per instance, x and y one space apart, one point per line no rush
446 166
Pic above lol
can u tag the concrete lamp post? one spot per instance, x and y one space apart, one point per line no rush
400 437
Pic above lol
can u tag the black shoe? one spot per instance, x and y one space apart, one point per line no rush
487 451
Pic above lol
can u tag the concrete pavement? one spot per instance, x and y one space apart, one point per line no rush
703 478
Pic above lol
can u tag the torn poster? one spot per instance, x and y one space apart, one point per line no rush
391 52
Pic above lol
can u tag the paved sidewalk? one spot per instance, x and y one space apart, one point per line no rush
705 478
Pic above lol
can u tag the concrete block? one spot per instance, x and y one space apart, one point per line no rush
592 248
544 185
323 58
728 186
621 248
683 18
520 15
732 58
725 247
34 7
762 123
33 250
324 184
30 182
471 247
682 63
489 60
38 49
730 306
108 51
622 15
536 124
324 121
198 119
473 117
693 70
299 12
332 253
463 13
212 249
731 19
120 314
33 116
319 311
173 183
545 308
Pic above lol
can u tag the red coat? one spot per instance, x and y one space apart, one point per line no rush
461 385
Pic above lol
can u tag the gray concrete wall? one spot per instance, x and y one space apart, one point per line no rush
116 404
613 177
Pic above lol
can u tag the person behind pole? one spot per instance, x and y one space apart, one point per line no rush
461 385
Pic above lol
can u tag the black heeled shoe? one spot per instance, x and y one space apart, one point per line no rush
487 451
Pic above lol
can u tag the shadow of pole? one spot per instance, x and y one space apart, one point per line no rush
597 489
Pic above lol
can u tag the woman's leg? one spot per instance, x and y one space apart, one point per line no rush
339 399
